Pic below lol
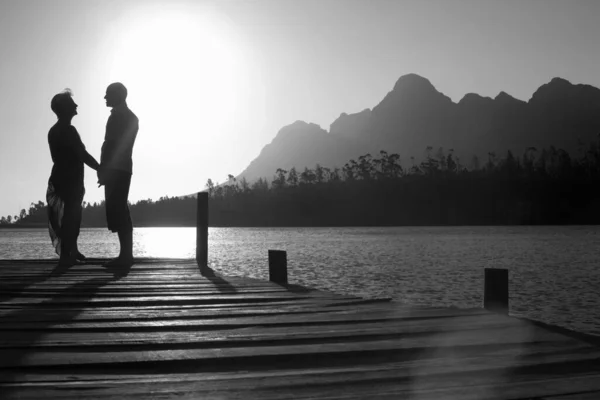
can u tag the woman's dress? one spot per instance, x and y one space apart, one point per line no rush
65 186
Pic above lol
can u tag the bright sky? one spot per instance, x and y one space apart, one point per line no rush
213 82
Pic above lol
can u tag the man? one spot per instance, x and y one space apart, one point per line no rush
116 169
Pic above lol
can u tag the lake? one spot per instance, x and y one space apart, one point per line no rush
554 274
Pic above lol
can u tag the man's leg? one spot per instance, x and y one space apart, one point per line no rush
126 242
118 217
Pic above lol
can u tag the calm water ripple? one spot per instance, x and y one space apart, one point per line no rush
553 270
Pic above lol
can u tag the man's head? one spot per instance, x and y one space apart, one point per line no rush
116 94
63 105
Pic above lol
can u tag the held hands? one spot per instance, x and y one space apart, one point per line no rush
101 176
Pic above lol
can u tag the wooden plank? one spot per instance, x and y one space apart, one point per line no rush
587 395
198 299
350 318
56 294
419 379
56 286
306 374
485 325
171 312
215 349
35 310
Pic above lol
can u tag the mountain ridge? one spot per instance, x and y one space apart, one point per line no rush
414 116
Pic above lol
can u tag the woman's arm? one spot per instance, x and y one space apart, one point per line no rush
89 160
82 153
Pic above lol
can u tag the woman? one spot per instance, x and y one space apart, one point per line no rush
65 186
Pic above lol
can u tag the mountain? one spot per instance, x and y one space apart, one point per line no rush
414 115
299 145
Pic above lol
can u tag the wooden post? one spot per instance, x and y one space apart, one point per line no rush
202 232
495 294
278 267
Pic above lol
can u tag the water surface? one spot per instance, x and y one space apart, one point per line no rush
554 273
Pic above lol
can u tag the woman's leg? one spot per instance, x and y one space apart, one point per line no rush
69 231
75 251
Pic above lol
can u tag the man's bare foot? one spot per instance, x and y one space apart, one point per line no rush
64 263
120 266
119 262
79 256
68 262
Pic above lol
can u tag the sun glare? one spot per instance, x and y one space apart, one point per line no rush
182 71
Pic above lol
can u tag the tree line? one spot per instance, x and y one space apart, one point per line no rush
546 186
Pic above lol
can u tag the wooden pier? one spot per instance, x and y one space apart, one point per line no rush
165 331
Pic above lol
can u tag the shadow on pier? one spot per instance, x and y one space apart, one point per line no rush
165 328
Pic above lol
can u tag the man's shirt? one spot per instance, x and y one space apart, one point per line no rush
121 131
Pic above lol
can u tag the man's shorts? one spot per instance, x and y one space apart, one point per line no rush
116 191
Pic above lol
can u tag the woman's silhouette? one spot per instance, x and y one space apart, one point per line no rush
65 186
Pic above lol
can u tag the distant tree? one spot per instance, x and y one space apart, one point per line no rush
365 167
510 164
475 165
334 175
428 151
390 165
528 160
541 165
245 187
459 166
430 165
321 173
231 188
491 164
261 185
307 176
348 170
441 158
451 164
414 169
211 187
279 179
292 179
565 164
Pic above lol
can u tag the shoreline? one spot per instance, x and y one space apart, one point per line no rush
43 226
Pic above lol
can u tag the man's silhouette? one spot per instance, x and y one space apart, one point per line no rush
116 169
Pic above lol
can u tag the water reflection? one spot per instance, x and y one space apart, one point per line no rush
553 270
164 242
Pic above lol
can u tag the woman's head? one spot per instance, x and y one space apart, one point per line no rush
63 105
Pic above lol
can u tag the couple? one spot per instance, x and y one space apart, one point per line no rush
65 186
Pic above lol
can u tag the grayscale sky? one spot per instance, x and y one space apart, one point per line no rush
213 82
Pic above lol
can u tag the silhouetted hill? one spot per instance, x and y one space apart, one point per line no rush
414 115
300 144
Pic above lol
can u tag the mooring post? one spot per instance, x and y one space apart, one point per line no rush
202 232
278 267
495 292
